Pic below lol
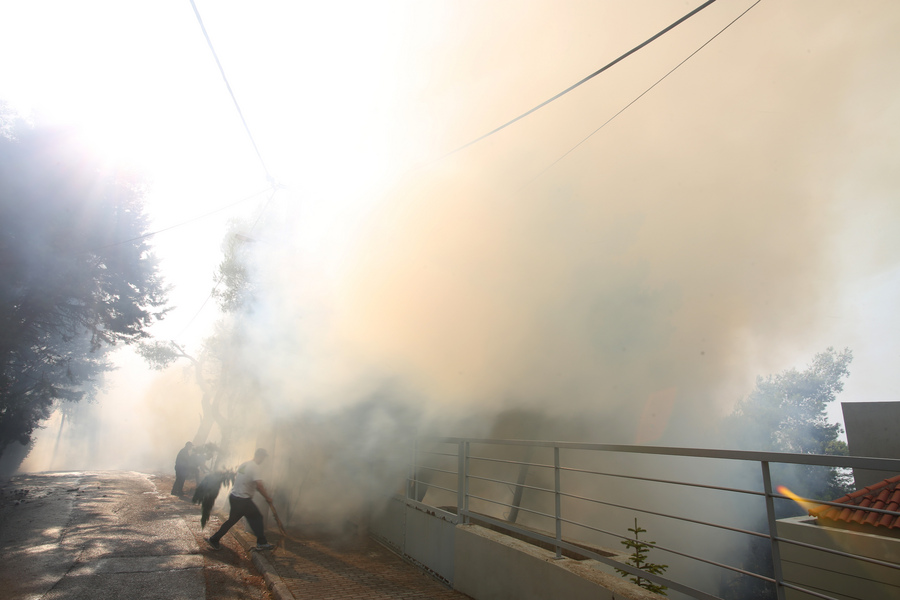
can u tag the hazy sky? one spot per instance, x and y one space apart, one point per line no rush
733 222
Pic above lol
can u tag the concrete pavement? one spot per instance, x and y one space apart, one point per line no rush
95 535
118 534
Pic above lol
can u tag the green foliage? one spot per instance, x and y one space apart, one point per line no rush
229 387
158 355
235 287
640 551
787 413
78 277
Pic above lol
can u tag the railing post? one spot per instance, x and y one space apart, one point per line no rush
414 475
517 495
558 502
462 483
773 529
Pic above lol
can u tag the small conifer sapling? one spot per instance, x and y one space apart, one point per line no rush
640 550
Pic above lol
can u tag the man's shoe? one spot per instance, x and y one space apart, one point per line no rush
213 545
264 546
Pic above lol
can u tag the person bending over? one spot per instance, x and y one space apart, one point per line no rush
247 481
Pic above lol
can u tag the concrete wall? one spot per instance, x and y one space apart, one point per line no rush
487 565
388 524
492 566
431 540
422 534
872 431
840 577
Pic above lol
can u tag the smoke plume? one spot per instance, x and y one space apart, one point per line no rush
627 289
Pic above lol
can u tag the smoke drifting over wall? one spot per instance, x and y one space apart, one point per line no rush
628 294
651 274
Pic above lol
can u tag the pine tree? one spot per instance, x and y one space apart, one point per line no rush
78 273
640 550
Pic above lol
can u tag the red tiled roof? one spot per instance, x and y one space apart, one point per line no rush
884 496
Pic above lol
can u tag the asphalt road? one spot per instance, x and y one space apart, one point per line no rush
96 535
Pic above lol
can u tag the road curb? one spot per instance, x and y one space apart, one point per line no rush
274 581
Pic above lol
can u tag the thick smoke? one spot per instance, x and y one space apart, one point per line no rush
651 274
630 293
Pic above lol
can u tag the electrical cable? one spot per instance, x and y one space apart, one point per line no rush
269 177
181 224
581 82
221 277
572 87
272 183
464 146
658 81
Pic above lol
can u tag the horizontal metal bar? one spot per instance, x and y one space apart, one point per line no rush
412 481
677 518
437 487
650 479
528 510
579 549
711 562
633 477
598 530
716 564
611 504
839 505
807 591
504 482
436 469
511 462
674 585
840 462
824 460
682 483
449 516
452 455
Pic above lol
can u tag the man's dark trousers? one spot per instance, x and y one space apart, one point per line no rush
242 507
181 473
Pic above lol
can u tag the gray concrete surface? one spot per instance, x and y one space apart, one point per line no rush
872 431
95 535
121 535
492 566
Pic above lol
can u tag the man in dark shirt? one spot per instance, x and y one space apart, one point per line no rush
183 463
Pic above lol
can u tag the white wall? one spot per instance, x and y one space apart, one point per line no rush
840 577
492 566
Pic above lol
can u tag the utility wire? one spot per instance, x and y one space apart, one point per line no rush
274 185
583 81
181 224
269 177
222 276
658 81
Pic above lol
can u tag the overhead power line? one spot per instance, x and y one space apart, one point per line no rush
222 275
182 223
269 177
583 81
644 93
273 185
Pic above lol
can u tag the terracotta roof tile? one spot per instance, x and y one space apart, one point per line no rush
883 496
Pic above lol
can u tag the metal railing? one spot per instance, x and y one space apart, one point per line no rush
572 492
